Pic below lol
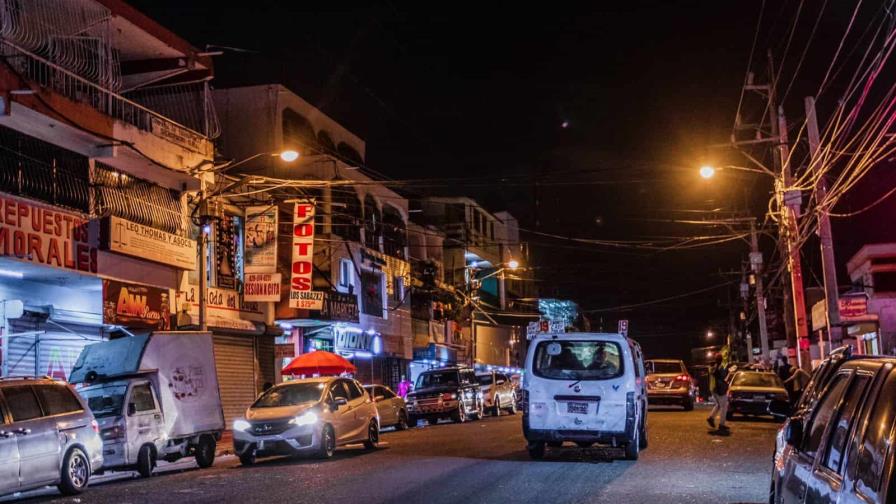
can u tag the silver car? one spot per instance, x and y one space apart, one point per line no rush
390 406
48 436
497 392
311 416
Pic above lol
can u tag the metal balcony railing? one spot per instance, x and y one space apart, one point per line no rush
48 75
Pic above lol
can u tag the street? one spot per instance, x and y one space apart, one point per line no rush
483 461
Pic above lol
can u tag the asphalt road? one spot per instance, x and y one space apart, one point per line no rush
483 461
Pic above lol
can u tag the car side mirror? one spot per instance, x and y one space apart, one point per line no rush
132 409
780 408
793 434
339 401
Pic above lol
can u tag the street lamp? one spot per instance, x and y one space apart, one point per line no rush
513 264
709 171
709 334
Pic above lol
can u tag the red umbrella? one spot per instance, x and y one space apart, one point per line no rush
319 362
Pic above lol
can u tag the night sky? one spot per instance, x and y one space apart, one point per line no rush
582 122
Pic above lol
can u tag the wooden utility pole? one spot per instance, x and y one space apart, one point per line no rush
829 269
756 265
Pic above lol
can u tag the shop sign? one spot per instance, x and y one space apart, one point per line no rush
129 238
40 234
262 287
353 339
338 306
136 306
545 327
261 239
853 307
223 303
300 294
284 350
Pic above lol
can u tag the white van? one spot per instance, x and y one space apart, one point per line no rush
584 388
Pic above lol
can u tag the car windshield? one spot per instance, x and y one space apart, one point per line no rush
106 399
437 379
290 395
485 379
660 367
578 360
757 380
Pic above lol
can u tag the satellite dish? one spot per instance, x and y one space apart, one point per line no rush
13 308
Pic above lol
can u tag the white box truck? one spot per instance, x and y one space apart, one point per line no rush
155 397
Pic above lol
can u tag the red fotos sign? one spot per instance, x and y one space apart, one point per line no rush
300 294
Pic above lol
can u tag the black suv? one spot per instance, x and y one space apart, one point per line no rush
837 445
451 392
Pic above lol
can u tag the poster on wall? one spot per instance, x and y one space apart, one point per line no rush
136 306
225 254
300 294
262 287
261 239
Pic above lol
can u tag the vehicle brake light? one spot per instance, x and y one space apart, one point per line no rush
95 426
448 396
683 378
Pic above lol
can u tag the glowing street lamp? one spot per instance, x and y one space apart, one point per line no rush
707 171
289 155
513 264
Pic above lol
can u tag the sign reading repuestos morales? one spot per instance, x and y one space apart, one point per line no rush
44 235
130 238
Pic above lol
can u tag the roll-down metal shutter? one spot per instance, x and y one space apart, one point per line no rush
235 363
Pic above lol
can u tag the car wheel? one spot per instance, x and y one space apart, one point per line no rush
632 448
536 449
402 421
460 414
146 461
248 458
75 472
512 408
327 443
205 451
496 410
642 435
413 420
373 436
688 404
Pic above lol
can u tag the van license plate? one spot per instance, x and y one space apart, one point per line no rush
580 408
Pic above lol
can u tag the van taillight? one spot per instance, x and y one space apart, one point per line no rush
95 426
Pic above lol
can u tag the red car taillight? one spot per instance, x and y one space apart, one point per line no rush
95 426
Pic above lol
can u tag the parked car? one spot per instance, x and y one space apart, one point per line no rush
840 448
751 393
584 388
450 392
392 409
310 416
497 392
48 436
669 382
155 397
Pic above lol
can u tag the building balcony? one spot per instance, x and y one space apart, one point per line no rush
50 102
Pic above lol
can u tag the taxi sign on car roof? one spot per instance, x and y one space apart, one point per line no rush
544 327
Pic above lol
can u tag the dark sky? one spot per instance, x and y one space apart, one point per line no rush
482 92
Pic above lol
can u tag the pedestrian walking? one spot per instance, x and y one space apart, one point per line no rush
796 384
718 387
784 370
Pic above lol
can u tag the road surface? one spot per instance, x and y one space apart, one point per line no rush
483 461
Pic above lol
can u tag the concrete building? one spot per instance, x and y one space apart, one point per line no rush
360 247
868 312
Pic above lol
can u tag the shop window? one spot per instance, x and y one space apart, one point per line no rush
372 295
346 276
398 290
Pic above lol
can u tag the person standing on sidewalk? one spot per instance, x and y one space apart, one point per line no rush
718 387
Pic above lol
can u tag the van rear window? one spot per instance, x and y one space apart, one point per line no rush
578 360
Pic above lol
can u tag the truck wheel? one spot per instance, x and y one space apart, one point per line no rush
632 448
205 451
75 472
146 461
536 449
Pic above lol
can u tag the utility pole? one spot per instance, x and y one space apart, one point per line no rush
831 292
756 267
745 309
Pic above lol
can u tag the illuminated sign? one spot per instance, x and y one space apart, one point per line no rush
300 294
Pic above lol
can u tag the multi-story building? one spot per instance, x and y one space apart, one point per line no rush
360 253
484 258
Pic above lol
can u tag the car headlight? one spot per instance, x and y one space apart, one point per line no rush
241 425
307 418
